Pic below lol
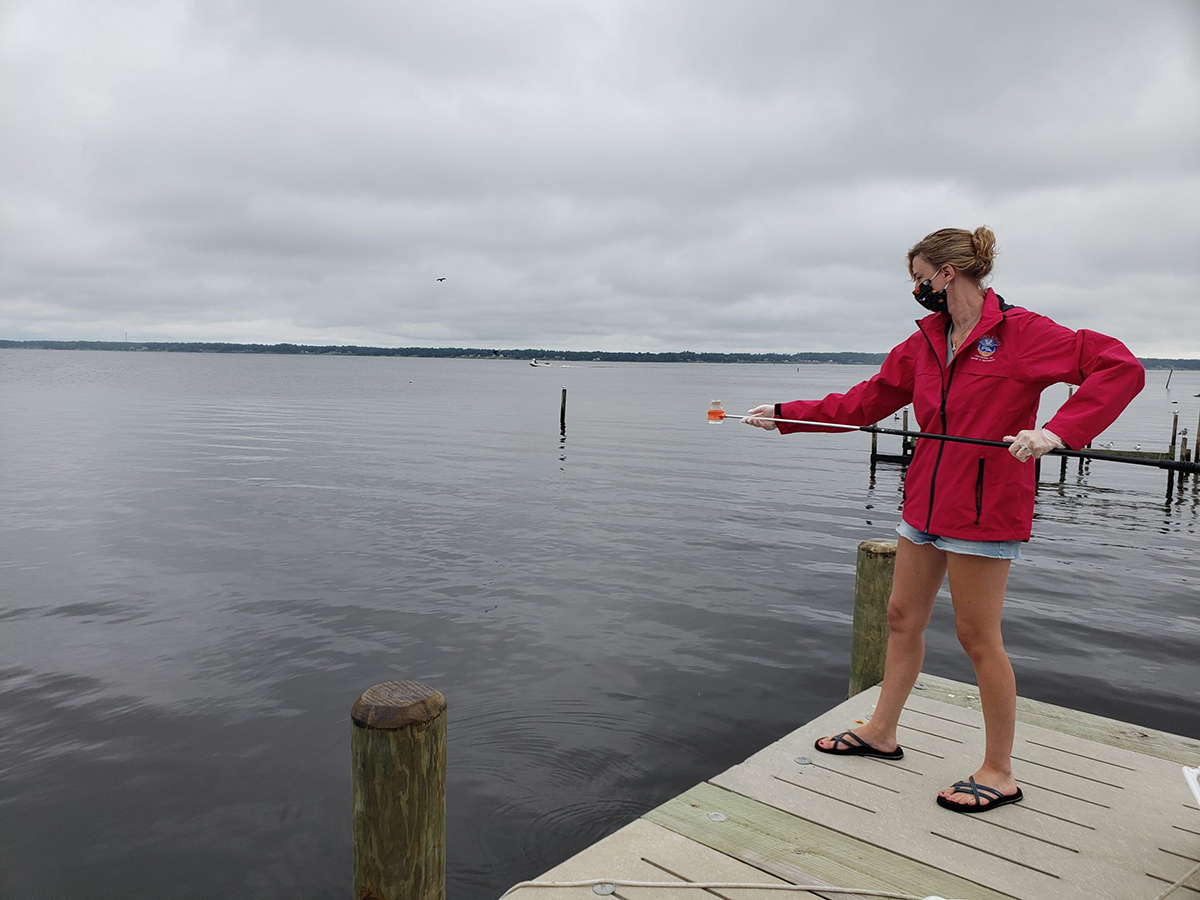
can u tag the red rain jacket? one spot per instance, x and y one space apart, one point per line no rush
990 389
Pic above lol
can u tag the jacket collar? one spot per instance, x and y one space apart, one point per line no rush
934 324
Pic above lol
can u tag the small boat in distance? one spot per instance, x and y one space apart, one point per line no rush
536 363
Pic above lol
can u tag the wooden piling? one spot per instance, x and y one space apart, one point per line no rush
398 784
905 445
1185 457
1062 469
872 588
562 410
1174 429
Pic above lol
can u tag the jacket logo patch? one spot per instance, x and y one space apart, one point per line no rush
986 349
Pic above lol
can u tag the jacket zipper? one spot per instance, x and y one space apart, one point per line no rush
979 491
946 382
941 444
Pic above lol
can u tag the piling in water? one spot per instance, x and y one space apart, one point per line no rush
1062 469
872 588
398 786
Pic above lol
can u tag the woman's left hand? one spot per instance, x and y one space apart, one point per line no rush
1033 443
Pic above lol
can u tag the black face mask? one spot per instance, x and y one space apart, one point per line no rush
934 301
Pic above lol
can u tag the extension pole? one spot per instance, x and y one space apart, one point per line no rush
1176 465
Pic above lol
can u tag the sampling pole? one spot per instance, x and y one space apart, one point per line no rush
1174 465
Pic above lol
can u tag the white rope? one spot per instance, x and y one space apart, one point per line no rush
1180 883
715 885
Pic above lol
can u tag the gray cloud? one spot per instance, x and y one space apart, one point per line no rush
672 175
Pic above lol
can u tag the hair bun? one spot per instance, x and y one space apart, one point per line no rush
969 252
983 242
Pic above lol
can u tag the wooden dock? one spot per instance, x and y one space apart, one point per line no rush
1106 814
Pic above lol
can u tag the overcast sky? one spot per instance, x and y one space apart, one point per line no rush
590 175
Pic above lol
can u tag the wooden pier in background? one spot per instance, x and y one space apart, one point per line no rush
1106 814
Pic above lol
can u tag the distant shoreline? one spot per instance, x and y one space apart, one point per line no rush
805 358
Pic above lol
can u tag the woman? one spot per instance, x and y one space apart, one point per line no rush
975 367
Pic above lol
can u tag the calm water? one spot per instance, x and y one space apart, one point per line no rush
204 559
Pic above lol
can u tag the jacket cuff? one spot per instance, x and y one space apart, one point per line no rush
1065 435
779 410
1054 438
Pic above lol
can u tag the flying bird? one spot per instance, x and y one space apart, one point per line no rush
441 279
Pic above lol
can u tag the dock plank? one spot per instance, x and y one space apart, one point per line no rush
1093 814
1101 730
645 851
1106 814
801 850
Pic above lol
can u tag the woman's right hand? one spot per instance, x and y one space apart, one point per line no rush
767 409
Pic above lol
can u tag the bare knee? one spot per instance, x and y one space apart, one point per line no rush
980 644
906 618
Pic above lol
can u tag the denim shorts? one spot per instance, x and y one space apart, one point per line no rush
990 549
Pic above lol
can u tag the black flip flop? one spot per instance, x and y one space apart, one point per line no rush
970 787
860 748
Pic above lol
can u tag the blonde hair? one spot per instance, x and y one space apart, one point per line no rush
971 253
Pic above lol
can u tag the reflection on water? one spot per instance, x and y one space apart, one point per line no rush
205 559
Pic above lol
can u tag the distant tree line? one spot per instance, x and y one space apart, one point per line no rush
675 356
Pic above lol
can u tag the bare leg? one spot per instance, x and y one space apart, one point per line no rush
977 588
920 569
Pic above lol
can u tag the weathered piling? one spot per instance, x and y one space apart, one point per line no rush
872 587
1062 469
562 411
398 784
1185 457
